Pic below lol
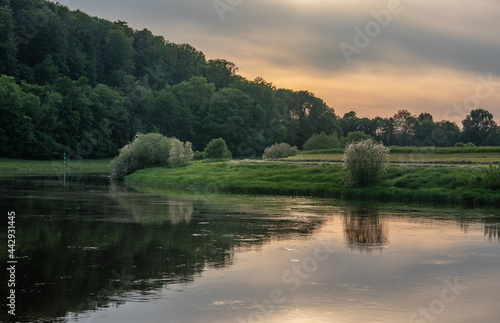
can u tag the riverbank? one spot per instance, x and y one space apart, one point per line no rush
423 185
8 165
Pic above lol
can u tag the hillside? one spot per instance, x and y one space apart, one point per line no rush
81 84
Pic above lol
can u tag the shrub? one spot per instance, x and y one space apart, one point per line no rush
459 144
217 149
148 150
198 155
365 163
353 137
180 153
282 150
469 144
322 141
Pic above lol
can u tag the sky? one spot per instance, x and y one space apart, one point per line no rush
370 56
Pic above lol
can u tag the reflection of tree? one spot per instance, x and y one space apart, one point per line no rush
492 231
101 244
364 230
161 210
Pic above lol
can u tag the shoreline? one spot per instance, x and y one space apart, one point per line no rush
414 185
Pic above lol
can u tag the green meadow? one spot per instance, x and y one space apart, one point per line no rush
8 165
424 185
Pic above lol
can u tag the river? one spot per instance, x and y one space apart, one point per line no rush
89 250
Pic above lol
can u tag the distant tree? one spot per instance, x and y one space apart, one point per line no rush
217 149
480 128
384 131
353 137
220 72
322 141
404 127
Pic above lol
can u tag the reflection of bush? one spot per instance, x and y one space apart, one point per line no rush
364 230
492 231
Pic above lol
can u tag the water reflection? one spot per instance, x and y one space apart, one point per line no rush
364 230
85 244
492 231
94 245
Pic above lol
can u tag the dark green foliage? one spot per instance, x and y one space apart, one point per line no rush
91 84
83 85
431 186
322 141
217 149
353 137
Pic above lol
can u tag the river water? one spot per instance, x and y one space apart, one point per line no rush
89 250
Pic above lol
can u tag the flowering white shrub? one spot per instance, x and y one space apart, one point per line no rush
180 154
365 163
282 150
150 150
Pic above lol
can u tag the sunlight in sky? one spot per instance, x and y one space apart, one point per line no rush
427 56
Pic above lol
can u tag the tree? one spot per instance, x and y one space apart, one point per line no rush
479 128
353 137
365 163
322 141
220 72
230 115
404 127
217 149
119 56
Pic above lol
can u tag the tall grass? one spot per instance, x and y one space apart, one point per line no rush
435 186
417 150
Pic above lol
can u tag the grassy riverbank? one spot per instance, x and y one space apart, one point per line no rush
428 185
8 165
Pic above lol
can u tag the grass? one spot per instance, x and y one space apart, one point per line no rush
416 150
8 165
424 185
467 156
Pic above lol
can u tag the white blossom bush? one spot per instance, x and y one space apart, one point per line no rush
282 150
365 163
150 150
180 153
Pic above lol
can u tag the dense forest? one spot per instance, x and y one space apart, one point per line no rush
85 86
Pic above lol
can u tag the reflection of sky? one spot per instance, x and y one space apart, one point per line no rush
386 285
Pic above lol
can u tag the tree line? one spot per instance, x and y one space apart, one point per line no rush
84 85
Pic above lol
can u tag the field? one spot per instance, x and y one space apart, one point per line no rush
401 156
425 185
8 165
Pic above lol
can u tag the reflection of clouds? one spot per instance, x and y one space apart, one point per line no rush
492 231
364 230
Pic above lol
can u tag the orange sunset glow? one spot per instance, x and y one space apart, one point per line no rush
373 57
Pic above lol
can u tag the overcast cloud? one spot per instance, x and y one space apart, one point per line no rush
427 59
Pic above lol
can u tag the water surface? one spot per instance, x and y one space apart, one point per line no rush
94 251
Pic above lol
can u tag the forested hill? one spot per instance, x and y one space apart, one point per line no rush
82 85
75 83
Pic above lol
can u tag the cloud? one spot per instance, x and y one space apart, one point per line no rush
297 43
